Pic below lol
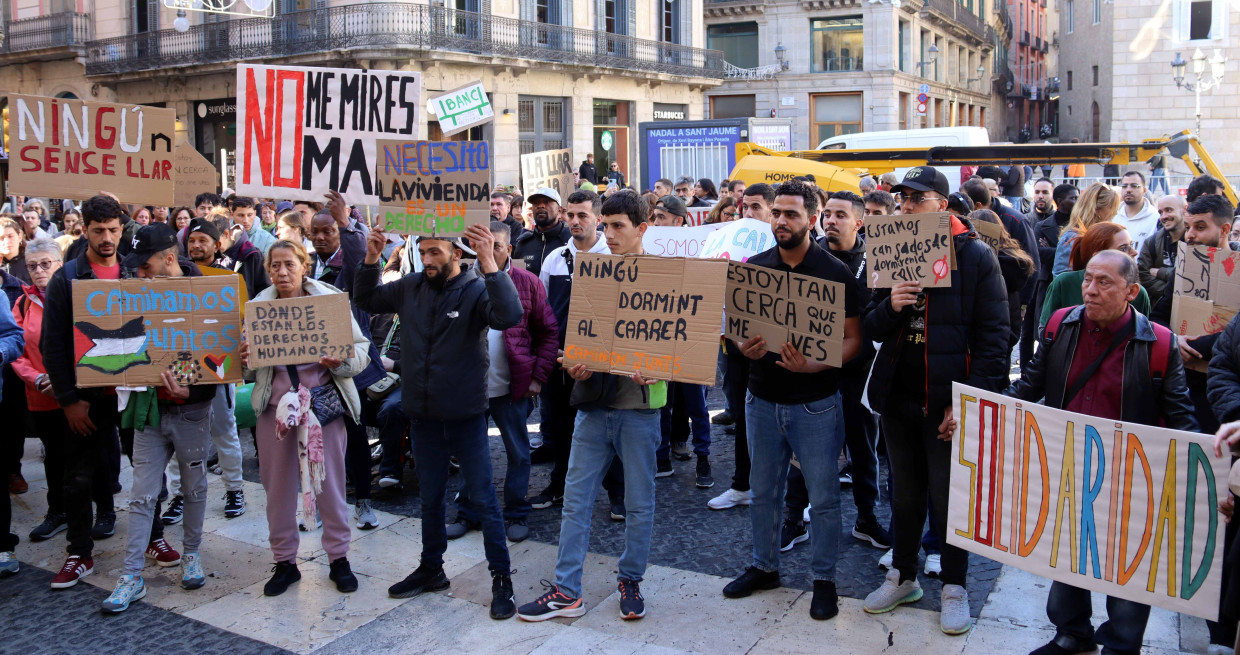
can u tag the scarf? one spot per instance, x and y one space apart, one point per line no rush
295 414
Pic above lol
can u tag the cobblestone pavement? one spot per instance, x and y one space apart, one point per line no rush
690 536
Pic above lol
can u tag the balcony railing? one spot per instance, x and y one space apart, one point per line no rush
43 32
395 28
959 13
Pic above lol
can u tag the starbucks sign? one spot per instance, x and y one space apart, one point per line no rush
607 140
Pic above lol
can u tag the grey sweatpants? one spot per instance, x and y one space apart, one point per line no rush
185 430
224 436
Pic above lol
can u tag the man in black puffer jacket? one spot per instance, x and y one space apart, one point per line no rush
444 313
931 338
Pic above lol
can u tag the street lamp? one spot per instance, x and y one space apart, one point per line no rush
981 72
781 54
181 22
1218 65
934 54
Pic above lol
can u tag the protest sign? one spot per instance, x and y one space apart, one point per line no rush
991 233
74 149
299 330
738 240
658 316
461 108
1206 293
783 307
550 168
193 175
1118 508
909 248
696 215
127 332
429 188
302 131
677 241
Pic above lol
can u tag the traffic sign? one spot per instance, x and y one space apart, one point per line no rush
925 88
921 109
921 97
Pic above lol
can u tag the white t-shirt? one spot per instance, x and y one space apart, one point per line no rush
499 380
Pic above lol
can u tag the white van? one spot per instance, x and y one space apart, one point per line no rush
917 139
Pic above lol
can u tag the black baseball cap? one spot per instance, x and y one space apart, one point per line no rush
924 178
672 205
149 240
204 226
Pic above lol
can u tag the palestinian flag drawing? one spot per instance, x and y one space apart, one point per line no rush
112 351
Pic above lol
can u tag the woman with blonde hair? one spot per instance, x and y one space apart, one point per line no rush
1098 204
291 227
300 416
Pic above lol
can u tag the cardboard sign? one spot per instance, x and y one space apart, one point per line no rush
677 241
1206 292
909 248
695 216
991 233
193 175
738 240
783 307
1118 508
299 330
73 149
550 168
302 131
429 188
462 108
127 332
655 315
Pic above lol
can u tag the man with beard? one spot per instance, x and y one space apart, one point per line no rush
1156 263
1043 206
448 308
793 408
91 413
1047 233
1137 214
216 242
549 231
588 172
501 210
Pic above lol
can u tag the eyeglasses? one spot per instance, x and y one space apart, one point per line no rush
1127 247
1131 185
42 266
919 198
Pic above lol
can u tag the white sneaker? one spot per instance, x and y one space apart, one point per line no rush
1219 649
365 515
388 481
954 616
892 594
536 441
731 498
885 561
805 514
934 565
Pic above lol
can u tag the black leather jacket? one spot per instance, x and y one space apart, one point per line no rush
1146 400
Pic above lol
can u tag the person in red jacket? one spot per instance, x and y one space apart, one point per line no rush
522 357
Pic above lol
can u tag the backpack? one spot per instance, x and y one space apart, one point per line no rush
1159 353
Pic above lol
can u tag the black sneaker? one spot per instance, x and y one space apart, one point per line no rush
517 531
681 451
664 469
845 479
343 576
175 511
869 530
704 480
552 604
422 580
618 512
459 528
234 504
723 418
753 579
632 605
1053 648
52 525
283 575
503 602
825 603
105 526
791 534
546 499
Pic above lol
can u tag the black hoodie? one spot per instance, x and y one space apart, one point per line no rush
855 260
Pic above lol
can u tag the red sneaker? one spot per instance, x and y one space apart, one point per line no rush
162 553
75 568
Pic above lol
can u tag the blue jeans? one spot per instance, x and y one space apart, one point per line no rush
1069 608
695 406
599 435
392 425
433 443
1158 178
814 432
509 417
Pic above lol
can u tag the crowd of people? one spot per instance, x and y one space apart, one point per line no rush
452 334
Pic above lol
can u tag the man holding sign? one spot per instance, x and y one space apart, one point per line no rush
1104 359
444 314
930 338
794 408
